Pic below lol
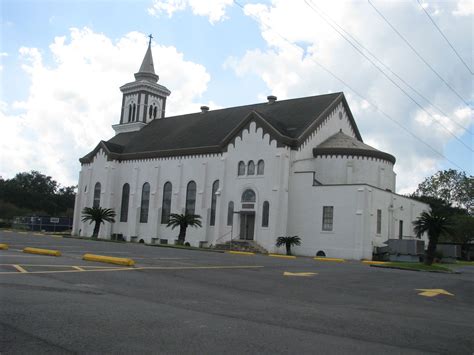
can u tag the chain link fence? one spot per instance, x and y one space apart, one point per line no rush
42 223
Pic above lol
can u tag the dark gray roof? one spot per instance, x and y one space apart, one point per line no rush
342 144
289 122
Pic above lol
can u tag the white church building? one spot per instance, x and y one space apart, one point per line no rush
254 172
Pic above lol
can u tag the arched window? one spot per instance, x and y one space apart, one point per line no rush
130 113
96 202
124 206
241 168
150 112
260 167
191 198
155 112
251 168
265 213
215 187
145 203
133 113
166 207
248 196
230 213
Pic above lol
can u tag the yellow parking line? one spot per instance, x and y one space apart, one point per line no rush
19 268
142 268
336 260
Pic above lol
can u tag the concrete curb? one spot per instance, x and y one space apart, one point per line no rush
370 262
108 259
335 260
185 248
3 246
240 252
282 256
48 252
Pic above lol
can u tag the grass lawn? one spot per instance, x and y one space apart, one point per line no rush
418 266
464 263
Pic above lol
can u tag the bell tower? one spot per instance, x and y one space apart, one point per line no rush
144 99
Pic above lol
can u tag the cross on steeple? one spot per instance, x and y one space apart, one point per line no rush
149 43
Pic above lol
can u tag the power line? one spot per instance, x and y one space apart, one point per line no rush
390 70
418 54
447 40
355 91
379 69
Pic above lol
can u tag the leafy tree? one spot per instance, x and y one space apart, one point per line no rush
435 225
35 193
183 221
452 186
288 242
98 215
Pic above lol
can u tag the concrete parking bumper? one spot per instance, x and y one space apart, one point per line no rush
109 259
39 251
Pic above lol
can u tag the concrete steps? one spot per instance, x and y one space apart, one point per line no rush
242 245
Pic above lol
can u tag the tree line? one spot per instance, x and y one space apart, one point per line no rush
32 193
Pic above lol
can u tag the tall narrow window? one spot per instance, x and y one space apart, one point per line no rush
145 203
166 207
328 214
191 198
230 213
400 229
124 206
96 202
150 112
241 168
215 187
133 113
130 113
265 213
155 112
251 168
379 221
260 167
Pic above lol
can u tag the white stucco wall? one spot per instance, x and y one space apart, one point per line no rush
355 217
204 170
355 170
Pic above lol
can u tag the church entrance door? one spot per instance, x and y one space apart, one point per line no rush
247 225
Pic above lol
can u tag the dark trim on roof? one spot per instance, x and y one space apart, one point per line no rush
317 152
320 119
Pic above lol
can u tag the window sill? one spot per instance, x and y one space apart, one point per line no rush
327 232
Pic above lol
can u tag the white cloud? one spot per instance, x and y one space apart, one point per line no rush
289 71
72 103
464 8
213 9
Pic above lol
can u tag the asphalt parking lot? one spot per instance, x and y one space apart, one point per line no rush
177 301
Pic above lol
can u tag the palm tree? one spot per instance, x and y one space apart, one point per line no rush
288 242
98 215
436 225
183 221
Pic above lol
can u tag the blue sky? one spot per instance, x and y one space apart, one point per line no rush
62 63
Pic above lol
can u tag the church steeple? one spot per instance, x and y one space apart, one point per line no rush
144 99
147 69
